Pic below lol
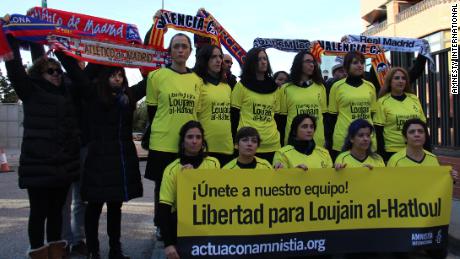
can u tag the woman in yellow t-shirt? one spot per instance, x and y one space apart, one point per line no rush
356 151
214 103
255 102
172 95
304 94
350 99
192 155
395 106
302 151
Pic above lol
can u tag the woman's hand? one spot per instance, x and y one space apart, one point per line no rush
171 252
302 166
187 166
368 166
6 18
278 166
339 166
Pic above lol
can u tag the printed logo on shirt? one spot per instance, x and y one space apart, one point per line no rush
220 111
360 110
181 103
312 109
262 112
401 119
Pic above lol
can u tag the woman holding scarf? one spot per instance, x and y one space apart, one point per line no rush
172 100
350 99
50 149
214 103
111 174
255 101
396 104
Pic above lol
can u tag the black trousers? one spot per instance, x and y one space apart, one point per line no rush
45 206
157 161
92 215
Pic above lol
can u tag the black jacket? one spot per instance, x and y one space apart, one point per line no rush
50 149
111 171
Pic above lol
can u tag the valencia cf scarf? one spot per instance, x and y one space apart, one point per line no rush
373 51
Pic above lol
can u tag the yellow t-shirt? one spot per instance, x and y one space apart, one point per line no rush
258 111
351 161
295 100
392 114
291 158
168 189
214 115
261 164
176 96
351 103
400 159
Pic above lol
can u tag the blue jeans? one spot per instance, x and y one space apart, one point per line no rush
73 212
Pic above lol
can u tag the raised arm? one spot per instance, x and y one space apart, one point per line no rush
17 75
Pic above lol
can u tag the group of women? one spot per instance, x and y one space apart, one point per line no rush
197 121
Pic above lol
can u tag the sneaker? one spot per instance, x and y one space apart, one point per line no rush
80 248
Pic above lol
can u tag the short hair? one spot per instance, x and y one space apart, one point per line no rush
297 66
245 132
414 121
177 35
295 124
348 59
40 65
387 84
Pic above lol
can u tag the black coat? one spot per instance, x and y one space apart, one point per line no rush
50 150
111 171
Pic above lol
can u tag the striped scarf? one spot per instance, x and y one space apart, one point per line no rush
373 51
181 22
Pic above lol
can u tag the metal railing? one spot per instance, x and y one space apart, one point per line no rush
375 29
418 8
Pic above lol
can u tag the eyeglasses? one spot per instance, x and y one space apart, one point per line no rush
228 62
50 71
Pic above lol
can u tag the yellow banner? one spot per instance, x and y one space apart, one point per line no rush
267 202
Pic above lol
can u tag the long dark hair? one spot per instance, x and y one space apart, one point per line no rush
297 67
183 130
353 129
250 65
296 123
104 90
202 59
